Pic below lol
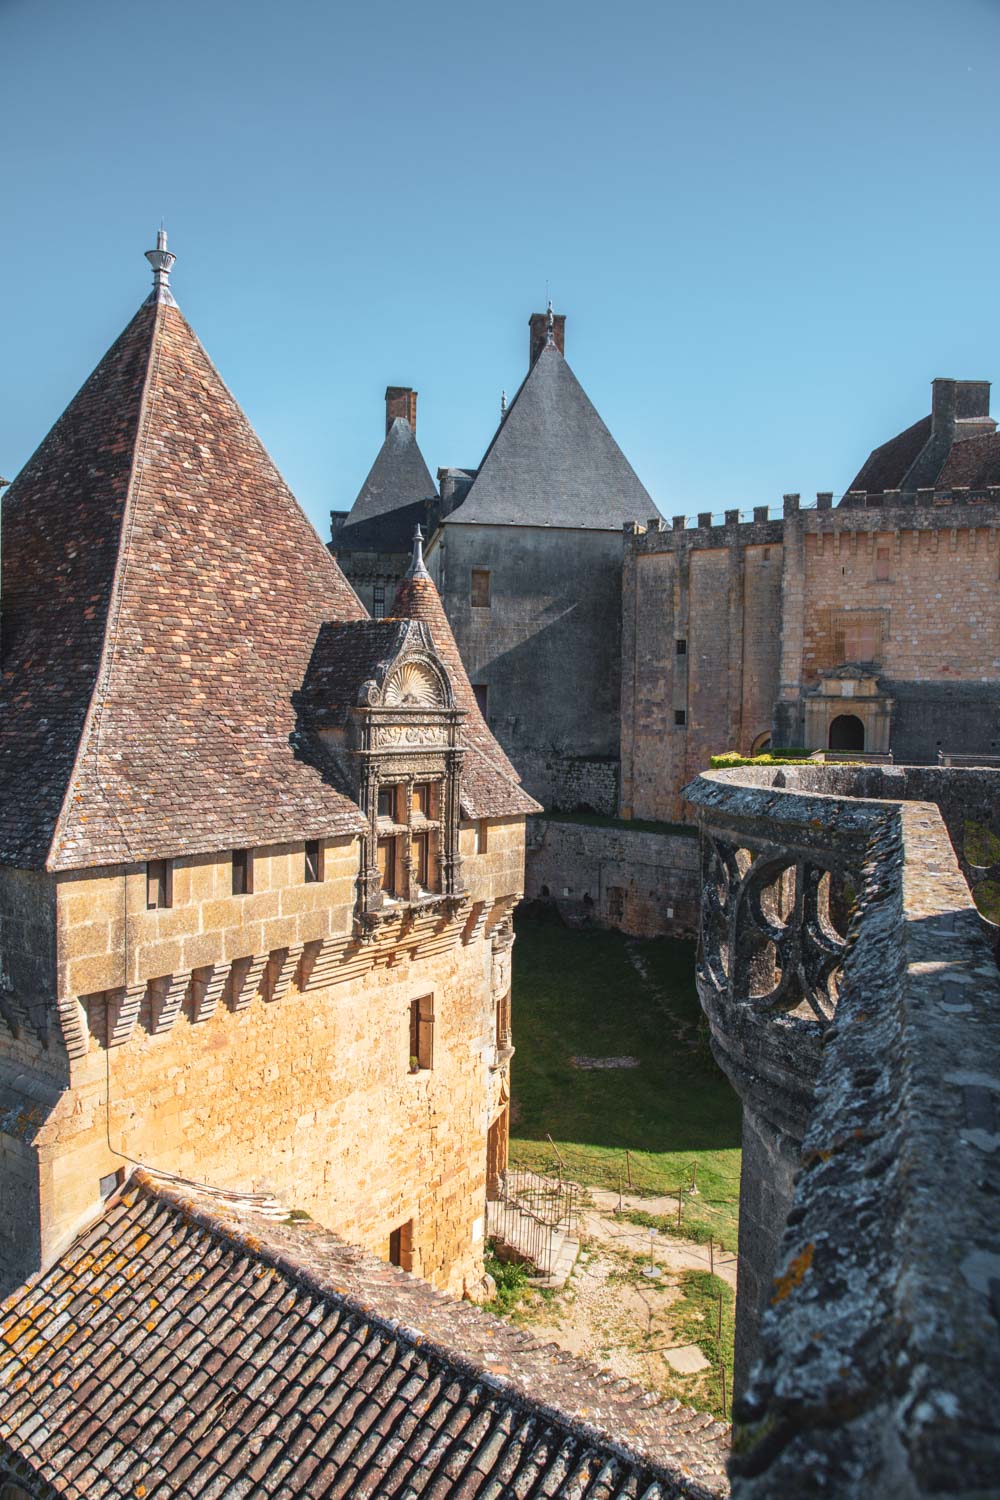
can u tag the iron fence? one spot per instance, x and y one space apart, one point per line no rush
532 1215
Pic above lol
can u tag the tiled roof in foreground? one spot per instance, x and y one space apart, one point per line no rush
187 1347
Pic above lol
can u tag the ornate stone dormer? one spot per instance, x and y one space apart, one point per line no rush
385 712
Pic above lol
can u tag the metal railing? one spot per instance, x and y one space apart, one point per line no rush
531 1214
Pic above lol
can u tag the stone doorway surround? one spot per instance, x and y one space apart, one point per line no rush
855 690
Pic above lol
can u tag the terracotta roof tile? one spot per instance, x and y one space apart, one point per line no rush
162 594
367 1383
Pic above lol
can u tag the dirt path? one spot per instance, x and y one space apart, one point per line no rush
643 1326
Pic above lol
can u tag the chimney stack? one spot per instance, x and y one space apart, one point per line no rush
400 401
538 324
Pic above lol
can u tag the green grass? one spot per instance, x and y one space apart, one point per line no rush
578 993
636 825
693 1226
511 1278
696 1318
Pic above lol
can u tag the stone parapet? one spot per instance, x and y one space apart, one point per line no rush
877 1354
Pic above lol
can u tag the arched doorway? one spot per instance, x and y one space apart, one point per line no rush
847 733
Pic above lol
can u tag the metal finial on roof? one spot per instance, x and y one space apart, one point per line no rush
417 568
503 404
550 337
162 261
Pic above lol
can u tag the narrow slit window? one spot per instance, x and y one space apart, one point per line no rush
314 861
421 1033
159 884
242 872
480 588
681 647
482 835
378 601
882 556
680 717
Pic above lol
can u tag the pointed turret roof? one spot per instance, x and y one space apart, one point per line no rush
553 462
162 594
394 497
491 788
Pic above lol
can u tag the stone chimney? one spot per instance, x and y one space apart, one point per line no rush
400 401
538 324
961 408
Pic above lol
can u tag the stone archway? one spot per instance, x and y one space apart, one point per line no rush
847 732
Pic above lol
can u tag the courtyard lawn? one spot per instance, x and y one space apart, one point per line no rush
597 994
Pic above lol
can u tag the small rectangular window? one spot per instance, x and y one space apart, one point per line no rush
503 1021
387 802
421 860
387 865
480 588
882 565
482 694
422 798
401 1246
421 1033
378 601
159 884
314 861
681 648
242 872
482 835
680 717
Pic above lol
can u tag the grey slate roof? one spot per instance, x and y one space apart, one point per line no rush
188 1347
553 462
394 497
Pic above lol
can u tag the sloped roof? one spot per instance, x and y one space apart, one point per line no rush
351 653
973 463
491 788
393 499
553 462
913 459
885 467
162 594
190 1346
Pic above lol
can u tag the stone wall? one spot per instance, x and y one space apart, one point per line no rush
254 1042
867 1355
701 611
640 882
911 588
547 650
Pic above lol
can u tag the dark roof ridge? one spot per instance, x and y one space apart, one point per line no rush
246 1242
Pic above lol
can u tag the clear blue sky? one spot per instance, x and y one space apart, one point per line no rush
770 224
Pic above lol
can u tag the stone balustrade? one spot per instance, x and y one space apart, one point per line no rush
856 1008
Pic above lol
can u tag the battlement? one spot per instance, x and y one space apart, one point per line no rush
889 510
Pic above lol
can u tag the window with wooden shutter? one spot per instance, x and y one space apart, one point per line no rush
387 865
422 1033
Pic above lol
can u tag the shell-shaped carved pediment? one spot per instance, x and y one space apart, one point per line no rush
414 684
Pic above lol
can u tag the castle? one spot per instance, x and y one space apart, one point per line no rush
646 647
259 854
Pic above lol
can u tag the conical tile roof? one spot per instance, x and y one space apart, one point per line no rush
553 462
491 788
394 498
162 594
